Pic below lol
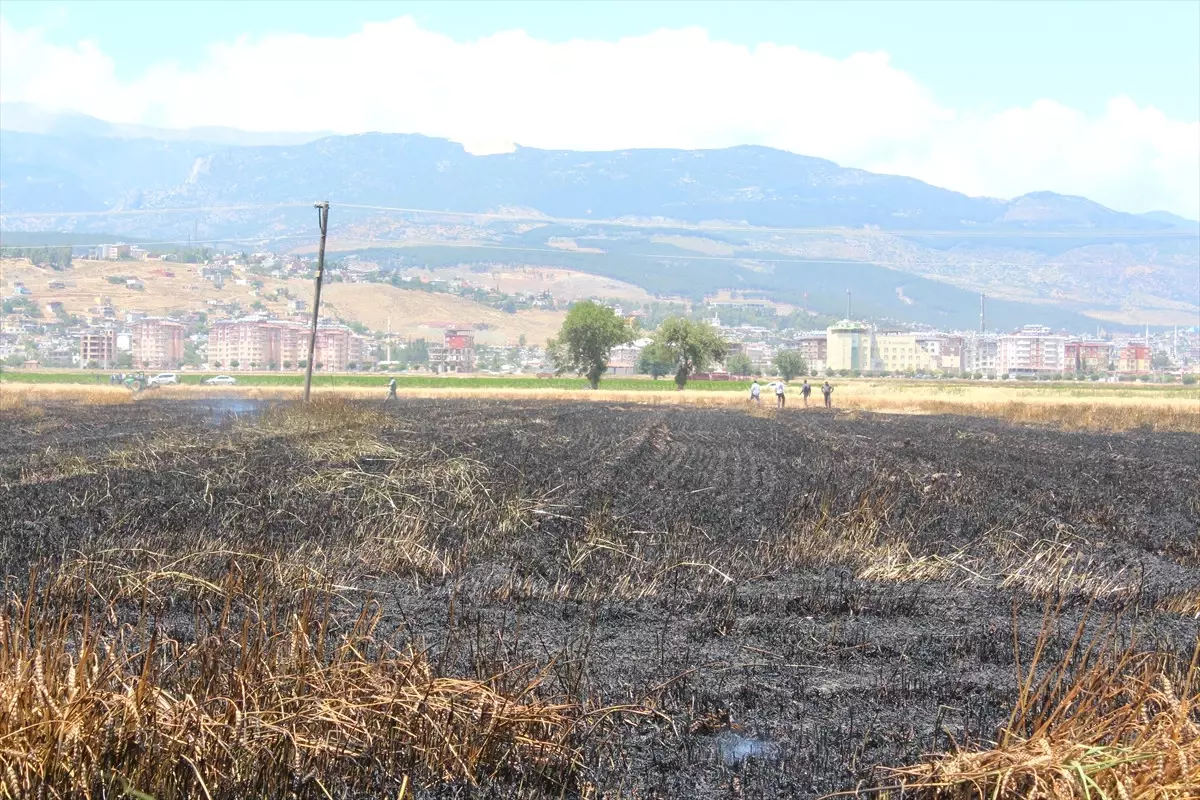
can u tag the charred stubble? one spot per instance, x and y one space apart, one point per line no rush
480 599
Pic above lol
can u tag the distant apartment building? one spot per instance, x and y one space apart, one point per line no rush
906 352
98 347
114 252
1132 358
623 359
456 352
293 344
814 350
338 347
850 346
981 355
757 306
157 343
1086 356
244 345
1035 350
952 353
259 344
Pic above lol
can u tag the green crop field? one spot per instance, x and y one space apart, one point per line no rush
380 380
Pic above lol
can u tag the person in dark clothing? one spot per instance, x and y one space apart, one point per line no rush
805 391
391 395
827 390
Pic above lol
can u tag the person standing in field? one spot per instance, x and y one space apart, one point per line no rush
780 399
827 390
391 395
756 392
805 391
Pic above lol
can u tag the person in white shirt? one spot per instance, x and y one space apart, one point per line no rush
755 392
780 399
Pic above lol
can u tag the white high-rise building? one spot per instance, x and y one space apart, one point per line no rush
1034 350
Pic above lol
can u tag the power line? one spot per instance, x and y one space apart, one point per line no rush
761 259
253 240
621 223
680 257
678 225
117 212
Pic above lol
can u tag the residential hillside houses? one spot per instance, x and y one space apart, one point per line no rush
57 327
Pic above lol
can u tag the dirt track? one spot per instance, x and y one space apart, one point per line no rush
798 598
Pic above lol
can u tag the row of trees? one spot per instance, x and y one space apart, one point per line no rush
591 331
679 346
53 257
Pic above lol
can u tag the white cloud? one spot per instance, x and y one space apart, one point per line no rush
671 88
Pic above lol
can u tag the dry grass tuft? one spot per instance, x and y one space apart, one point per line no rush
856 539
914 569
1053 570
1070 408
1125 728
1066 414
266 701
1186 603
20 395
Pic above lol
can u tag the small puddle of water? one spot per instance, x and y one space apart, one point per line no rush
734 749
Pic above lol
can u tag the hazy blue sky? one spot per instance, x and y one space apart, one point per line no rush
1094 98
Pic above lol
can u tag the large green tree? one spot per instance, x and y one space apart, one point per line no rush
587 335
739 364
655 361
691 345
789 363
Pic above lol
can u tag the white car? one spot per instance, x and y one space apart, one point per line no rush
164 379
219 380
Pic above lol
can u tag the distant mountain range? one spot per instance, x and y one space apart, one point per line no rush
28 118
1041 249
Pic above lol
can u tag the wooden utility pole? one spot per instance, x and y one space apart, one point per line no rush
323 221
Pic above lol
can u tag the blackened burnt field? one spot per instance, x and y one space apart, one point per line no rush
483 599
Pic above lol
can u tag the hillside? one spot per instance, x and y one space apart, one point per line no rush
418 314
633 210
414 313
